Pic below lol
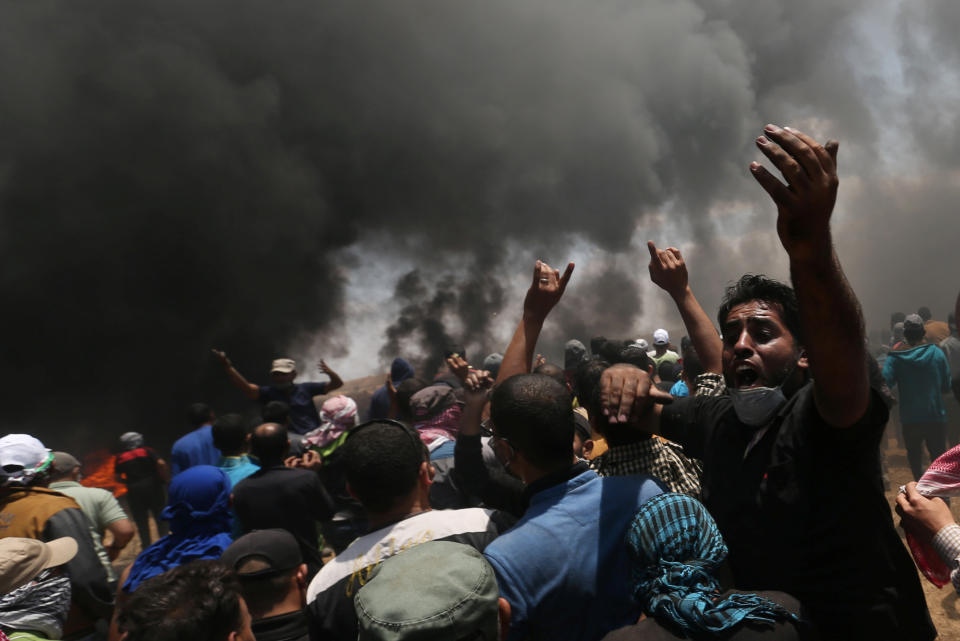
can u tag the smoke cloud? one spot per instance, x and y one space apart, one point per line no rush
184 175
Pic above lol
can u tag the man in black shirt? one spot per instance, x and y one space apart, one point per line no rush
282 497
273 582
791 470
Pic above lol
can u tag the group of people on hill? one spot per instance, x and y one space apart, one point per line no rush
731 487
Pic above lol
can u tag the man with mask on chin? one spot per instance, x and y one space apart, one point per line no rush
299 396
790 456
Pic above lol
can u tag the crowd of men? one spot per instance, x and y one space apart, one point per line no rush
730 487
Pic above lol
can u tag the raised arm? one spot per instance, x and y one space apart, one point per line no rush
830 315
335 381
669 272
544 293
249 390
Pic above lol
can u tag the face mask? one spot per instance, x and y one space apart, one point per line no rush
756 406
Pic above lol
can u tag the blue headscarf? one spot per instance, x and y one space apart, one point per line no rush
198 510
676 546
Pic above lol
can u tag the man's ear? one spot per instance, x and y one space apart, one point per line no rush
588 448
427 472
802 362
504 608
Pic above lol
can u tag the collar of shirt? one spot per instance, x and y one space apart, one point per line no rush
233 461
59 484
556 478
283 627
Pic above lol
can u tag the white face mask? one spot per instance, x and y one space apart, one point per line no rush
756 406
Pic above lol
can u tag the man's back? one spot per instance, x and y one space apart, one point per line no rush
283 497
101 509
564 567
922 375
194 448
331 592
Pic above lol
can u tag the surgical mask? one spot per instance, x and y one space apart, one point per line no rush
756 406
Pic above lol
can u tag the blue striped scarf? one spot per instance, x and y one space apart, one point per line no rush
676 546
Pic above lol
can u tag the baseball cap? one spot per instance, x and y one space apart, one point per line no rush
661 337
284 365
64 463
21 560
22 451
276 550
912 321
436 590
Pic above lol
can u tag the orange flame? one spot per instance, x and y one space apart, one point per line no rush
98 472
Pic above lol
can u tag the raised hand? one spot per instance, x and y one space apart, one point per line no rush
539 360
222 357
546 289
667 269
459 366
805 203
627 392
476 385
323 367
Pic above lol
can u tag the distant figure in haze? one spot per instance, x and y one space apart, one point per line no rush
661 353
196 447
144 473
400 370
299 396
936 331
923 375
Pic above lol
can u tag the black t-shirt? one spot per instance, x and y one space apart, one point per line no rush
803 511
287 498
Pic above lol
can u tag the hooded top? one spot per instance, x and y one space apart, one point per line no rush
400 371
198 511
923 376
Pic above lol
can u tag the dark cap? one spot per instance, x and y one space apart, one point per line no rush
275 550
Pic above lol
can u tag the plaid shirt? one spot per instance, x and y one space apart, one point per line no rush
947 544
657 457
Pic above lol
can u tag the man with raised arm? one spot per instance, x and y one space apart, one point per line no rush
791 466
299 396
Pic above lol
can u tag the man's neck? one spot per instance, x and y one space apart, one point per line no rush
290 603
404 509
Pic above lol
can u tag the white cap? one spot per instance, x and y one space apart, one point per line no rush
22 450
284 365
661 337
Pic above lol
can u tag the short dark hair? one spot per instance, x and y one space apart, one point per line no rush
752 287
534 413
276 412
230 434
381 463
198 414
668 371
914 334
586 377
553 371
924 313
270 445
262 593
636 356
198 600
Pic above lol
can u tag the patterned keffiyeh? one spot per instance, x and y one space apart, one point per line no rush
337 416
676 546
40 606
941 479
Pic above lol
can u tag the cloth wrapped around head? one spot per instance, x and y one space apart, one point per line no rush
337 415
676 546
198 510
131 441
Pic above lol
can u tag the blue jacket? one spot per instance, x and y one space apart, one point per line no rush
564 567
923 375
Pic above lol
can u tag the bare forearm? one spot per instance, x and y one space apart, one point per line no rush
335 381
239 381
518 359
833 335
702 333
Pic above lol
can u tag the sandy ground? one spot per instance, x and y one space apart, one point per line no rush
943 603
